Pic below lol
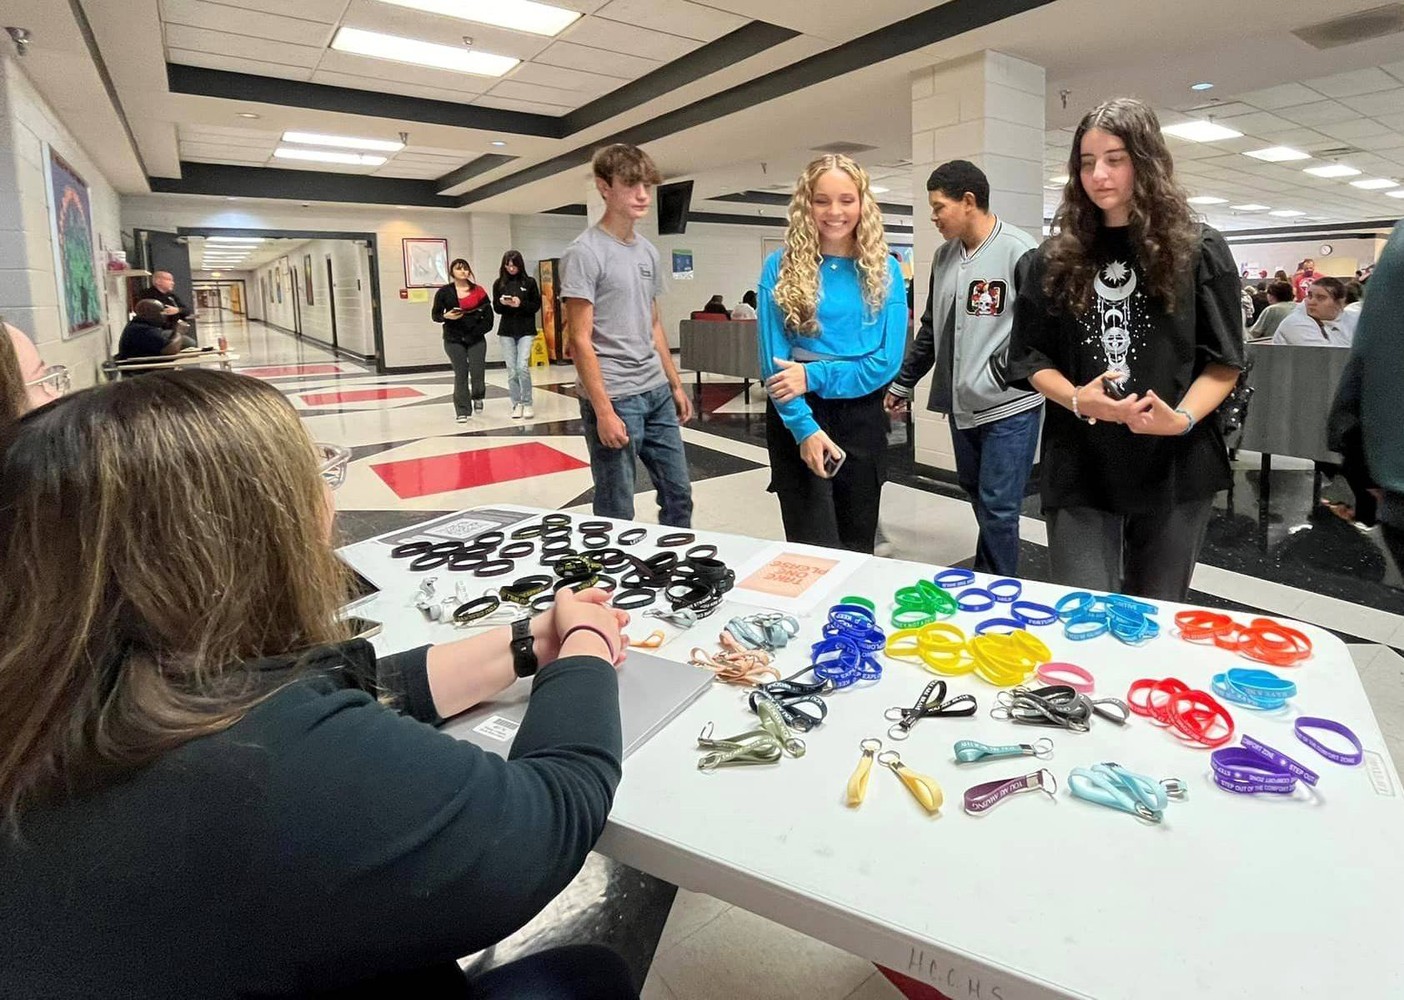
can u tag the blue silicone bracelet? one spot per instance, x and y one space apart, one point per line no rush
1011 624
949 579
983 600
1006 597
1033 614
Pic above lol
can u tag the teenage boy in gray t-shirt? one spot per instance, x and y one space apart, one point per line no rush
631 398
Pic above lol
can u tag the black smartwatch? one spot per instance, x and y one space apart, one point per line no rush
523 652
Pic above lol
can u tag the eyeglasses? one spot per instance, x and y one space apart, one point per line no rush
56 381
332 462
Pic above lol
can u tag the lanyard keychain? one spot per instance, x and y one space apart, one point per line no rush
981 798
969 751
858 783
925 790
932 704
765 745
1113 786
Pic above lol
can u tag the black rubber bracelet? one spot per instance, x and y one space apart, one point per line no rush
522 590
543 603
606 583
707 571
634 580
577 584
595 541
479 607
576 567
630 536
701 552
516 550
693 594
440 548
556 519
409 549
497 567
493 538
634 597
610 558
662 562
472 559
676 539
595 527
431 561
530 531
549 545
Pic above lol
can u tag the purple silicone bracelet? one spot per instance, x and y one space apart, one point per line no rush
1281 760
1239 770
1310 722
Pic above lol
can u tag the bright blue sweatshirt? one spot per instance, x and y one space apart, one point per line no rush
861 354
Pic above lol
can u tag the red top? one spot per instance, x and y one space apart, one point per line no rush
473 299
1302 282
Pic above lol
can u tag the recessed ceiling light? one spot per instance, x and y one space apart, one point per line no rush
343 142
1201 131
248 114
519 15
1207 199
326 156
1332 170
409 50
1375 183
235 239
878 189
1250 208
1201 86
1286 213
498 142
1278 154
1396 194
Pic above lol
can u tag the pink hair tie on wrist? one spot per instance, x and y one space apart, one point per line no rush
1070 674
590 628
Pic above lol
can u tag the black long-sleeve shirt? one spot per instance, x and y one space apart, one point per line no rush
517 321
321 843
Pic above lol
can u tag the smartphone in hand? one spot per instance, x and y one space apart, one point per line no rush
1114 387
832 464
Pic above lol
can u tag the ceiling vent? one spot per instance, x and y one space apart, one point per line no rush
845 148
1359 27
1335 152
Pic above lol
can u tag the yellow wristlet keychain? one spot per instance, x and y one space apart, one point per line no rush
924 789
858 784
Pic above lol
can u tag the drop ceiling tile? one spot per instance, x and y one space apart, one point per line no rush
1317 113
1395 70
327 11
1387 102
1256 123
1284 96
589 84
616 36
393 20
219 17
461 154
227 137
1356 82
241 154
356 82
592 60
540 95
1217 110
1381 143
1354 128
453 159
405 173
235 64
389 75
1298 138
528 107
677 17
1395 122
178 36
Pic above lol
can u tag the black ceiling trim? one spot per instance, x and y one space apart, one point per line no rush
567 210
775 198
478 165
95 53
930 26
717 218
1299 237
348 100
298 185
1306 229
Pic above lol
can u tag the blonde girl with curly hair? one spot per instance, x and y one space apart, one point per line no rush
832 325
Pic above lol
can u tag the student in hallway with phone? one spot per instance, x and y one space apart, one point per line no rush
832 325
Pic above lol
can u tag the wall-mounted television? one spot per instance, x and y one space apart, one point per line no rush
673 202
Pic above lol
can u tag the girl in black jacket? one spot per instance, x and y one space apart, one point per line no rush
516 298
463 307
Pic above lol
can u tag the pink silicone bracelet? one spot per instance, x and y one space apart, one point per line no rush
1070 674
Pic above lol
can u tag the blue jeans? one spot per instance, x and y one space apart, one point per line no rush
992 465
516 351
656 438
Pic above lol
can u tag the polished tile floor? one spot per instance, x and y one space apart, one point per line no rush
1276 553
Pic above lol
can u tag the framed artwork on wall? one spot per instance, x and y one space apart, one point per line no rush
426 262
307 276
75 259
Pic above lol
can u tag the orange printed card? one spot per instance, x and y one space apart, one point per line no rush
788 574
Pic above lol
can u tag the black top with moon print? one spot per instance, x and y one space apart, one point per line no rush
1105 466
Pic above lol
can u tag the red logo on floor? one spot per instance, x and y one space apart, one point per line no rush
358 396
422 477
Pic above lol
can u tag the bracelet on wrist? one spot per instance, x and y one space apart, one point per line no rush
1188 416
589 628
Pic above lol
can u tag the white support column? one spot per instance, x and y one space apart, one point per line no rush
987 108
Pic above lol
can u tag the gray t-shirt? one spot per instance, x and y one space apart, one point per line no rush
622 280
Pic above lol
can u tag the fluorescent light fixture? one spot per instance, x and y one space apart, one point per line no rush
519 15
1201 86
1374 184
343 142
1332 170
1250 208
1286 213
325 156
1201 131
1396 194
878 189
1278 154
455 58
248 114
1207 199
498 142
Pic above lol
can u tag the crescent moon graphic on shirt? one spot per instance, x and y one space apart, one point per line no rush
1118 294
1114 317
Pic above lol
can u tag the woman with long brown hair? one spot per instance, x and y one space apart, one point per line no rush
832 324
516 298
463 308
1129 321
207 789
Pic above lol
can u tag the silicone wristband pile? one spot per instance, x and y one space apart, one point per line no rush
1193 716
1243 771
1279 758
1262 639
845 655
1253 688
1007 659
1086 616
939 647
1310 722
921 604
1113 786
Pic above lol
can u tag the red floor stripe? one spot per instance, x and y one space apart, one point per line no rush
358 396
420 477
274 371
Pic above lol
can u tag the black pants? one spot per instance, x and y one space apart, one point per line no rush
469 363
840 513
1144 555
574 972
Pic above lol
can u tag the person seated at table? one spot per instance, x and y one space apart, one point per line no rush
208 789
747 308
1280 306
25 381
146 336
1319 323
716 305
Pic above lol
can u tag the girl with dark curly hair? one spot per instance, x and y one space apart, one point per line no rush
1129 321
